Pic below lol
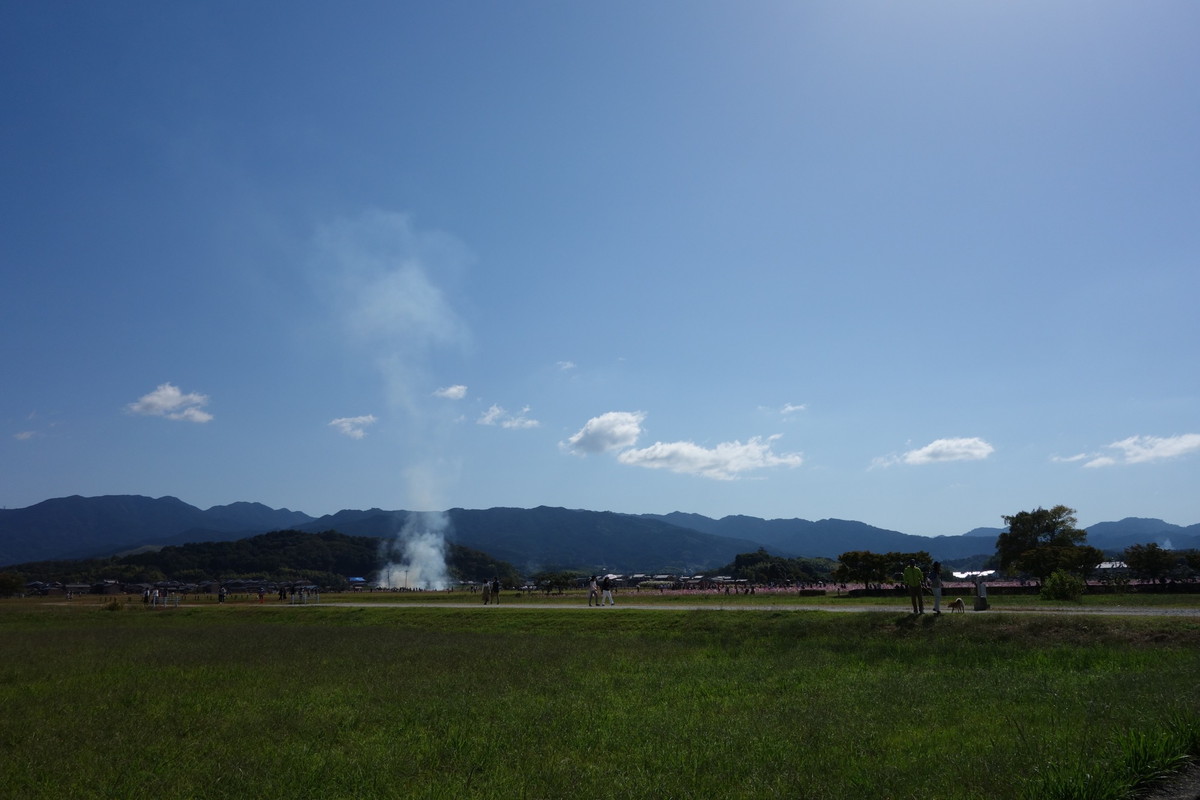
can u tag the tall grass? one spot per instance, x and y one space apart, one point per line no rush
276 701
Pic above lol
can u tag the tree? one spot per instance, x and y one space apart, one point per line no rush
1081 560
898 561
10 584
556 580
1150 562
762 567
1041 541
862 566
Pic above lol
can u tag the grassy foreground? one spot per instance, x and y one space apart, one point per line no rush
272 701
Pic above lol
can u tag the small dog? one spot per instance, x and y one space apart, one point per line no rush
958 606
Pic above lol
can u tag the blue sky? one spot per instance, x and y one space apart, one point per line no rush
919 265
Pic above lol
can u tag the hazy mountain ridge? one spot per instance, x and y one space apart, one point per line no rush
829 538
538 538
546 538
84 527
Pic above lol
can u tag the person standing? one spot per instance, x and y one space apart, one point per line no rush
606 585
935 585
496 592
913 580
593 592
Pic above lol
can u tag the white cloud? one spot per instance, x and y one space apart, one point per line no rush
456 392
619 431
940 450
791 408
496 415
24 436
726 461
167 401
491 416
565 365
1140 449
1101 461
1143 449
520 421
614 430
353 426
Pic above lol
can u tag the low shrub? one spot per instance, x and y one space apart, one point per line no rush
1062 585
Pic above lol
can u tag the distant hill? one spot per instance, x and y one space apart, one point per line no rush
829 538
547 538
373 522
1135 530
531 539
83 527
552 538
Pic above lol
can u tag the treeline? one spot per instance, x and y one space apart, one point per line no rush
1156 564
759 567
326 559
1043 546
762 568
875 569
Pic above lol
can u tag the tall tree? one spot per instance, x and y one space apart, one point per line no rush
1150 562
1040 541
862 566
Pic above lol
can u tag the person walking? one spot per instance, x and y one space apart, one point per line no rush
935 585
913 580
606 586
593 592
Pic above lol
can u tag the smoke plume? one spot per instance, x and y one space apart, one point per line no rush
416 557
390 286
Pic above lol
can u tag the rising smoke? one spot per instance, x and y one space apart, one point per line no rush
416 557
389 285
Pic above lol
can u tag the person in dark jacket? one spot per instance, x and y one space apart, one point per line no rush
606 588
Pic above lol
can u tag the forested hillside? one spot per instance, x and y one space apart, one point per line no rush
326 558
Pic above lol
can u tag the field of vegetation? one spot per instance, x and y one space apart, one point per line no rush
107 698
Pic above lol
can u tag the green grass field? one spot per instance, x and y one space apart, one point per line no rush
321 701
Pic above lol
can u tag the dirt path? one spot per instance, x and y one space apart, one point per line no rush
887 609
1184 786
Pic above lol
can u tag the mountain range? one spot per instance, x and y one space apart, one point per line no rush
531 539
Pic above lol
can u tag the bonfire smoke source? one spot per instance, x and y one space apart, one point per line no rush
416 558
